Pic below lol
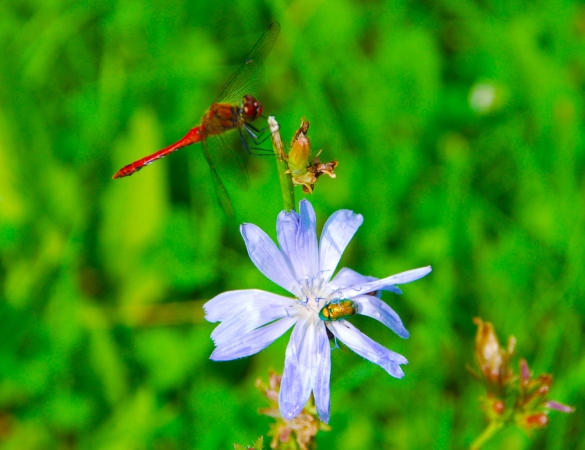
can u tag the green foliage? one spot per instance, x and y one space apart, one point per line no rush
257 445
102 281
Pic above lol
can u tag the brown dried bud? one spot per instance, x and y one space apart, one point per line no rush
301 430
493 360
303 172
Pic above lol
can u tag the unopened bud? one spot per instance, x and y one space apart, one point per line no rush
533 421
492 359
499 407
304 172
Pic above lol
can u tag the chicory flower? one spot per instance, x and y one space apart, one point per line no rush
252 319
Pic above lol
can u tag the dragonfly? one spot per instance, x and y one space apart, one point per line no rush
228 119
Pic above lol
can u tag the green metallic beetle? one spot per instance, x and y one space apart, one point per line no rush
338 310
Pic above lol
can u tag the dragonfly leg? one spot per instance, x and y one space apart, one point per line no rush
243 140
255 137
257 130
263 130
258 136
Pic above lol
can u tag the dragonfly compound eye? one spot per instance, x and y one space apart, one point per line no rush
251 108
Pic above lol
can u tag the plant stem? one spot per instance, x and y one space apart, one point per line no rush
286 185
486 435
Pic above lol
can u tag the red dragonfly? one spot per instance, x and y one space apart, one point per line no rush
228 118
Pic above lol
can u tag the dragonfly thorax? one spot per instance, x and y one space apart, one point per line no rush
251 108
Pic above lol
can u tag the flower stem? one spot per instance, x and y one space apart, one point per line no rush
286 185
486 435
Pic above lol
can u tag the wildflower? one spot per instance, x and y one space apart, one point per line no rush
533 405
511 398
299 432
253 319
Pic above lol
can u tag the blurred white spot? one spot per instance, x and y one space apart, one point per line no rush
482 97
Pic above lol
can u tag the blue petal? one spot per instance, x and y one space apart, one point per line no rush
321 390
369 349
299 365
244 311
347 277
307 264
400 278
252 342
267 258
240 303
337 232
287 227
376 309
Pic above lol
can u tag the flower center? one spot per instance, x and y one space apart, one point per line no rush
315 293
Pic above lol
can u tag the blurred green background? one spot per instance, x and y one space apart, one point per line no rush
459 128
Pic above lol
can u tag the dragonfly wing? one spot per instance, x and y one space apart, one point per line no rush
220 190
249 77
250 86
227 150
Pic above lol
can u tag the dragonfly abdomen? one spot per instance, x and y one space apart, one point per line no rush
193 136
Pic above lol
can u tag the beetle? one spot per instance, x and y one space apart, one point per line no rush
338 310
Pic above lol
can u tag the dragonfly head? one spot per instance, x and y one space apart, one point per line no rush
251 108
